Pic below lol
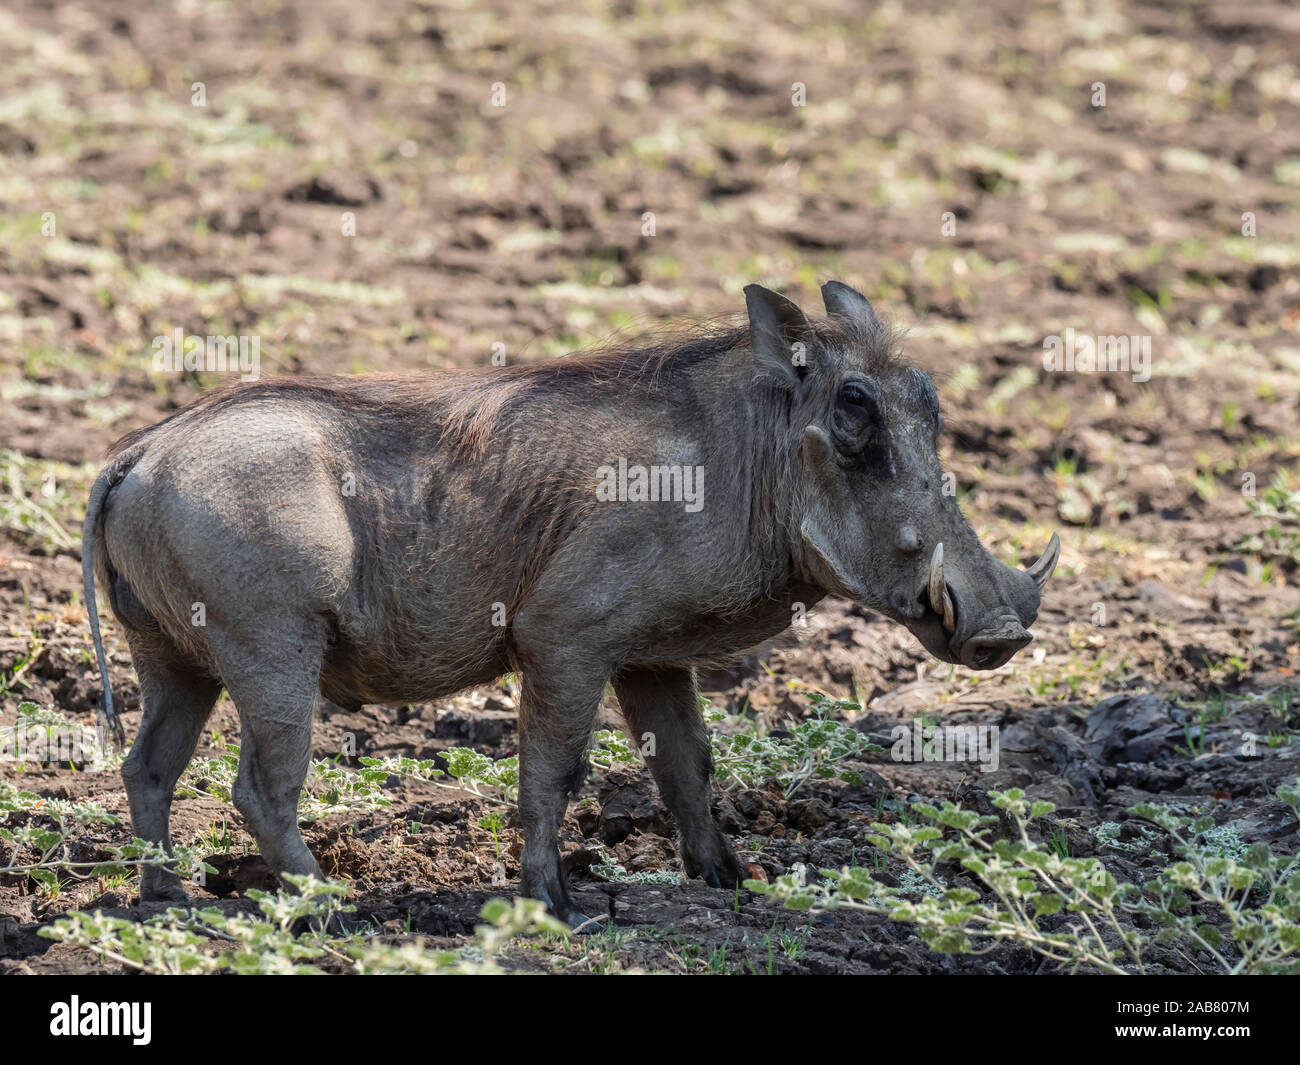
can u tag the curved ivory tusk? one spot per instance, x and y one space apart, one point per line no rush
937 589
1046 564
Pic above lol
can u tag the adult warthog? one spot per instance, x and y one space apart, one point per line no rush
397 539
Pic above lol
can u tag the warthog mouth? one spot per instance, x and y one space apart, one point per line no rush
989 633
992 645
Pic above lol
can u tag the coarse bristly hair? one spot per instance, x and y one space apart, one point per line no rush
469 406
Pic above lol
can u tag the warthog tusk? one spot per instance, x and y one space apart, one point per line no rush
1046 564
940 600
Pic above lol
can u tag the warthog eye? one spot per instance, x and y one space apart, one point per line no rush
856 416
854 395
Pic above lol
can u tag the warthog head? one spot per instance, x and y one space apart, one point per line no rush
871 520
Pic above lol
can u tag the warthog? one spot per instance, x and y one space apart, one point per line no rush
396 539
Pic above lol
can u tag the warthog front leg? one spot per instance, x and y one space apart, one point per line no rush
557 711
177 702
662 710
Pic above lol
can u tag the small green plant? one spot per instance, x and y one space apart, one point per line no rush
31 715
1280 505
504 922
1059 842
182 941
1284 703
601 949
613 872
1194 742
220 838
209 940
1107 834
1223 841
330 788
746 755
1240 904
609 747
211 777
32 521
494 822
475 772
48 736
794 945
39 843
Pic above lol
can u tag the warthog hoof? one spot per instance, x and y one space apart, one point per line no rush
715 862
164 893
583 925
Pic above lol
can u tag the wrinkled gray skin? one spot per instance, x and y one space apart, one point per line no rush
353 536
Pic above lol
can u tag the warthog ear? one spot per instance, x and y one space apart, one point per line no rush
779 332
849 304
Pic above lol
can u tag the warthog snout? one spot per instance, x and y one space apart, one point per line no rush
984 610
988 651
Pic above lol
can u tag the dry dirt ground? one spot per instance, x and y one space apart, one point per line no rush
338 180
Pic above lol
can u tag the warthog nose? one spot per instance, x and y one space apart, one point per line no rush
989 652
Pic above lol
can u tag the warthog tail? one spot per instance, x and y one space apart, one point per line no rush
108 479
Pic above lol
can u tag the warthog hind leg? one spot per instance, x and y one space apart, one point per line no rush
662 711
177 702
